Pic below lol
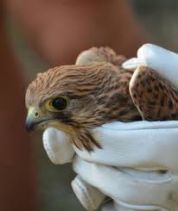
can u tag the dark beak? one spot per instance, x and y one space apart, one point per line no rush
36 120
30 124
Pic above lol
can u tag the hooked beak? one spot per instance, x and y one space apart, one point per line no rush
34 118
29 124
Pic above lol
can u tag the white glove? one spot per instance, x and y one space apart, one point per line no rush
163 61
137 166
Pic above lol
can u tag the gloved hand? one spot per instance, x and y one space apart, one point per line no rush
137 166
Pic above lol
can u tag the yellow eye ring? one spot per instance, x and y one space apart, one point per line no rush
57 104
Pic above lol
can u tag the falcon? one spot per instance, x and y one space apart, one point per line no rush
94 91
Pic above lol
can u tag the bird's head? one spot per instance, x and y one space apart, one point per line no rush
65 96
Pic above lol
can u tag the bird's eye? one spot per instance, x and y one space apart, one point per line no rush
57 104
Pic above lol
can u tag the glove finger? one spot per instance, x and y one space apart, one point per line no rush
89 196
132 63
110 207
141 125
130 186
57 146
136 148
163 61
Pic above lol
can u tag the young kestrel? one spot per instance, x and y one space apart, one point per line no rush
94 91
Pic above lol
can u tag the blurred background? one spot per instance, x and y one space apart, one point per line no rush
159 24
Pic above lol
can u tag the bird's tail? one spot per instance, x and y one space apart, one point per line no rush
101 54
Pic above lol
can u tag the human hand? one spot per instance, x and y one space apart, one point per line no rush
161 60
136 157
137 151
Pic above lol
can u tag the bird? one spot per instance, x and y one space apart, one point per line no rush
96 90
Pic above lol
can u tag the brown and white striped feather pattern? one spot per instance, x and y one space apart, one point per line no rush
154 97
100 94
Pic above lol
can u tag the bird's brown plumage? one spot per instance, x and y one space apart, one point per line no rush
100 91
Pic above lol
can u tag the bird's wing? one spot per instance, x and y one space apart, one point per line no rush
154 97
